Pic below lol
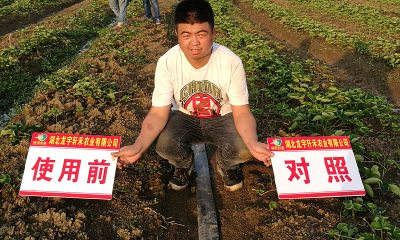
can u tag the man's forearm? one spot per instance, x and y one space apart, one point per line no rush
246 126
152 126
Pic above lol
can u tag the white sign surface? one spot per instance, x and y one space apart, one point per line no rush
312 167
65 165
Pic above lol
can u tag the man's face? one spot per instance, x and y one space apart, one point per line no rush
195 40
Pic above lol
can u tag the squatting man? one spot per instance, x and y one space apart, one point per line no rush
208 82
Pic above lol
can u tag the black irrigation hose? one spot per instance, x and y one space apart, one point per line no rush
77 13
207 216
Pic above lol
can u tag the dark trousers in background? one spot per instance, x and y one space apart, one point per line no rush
147 9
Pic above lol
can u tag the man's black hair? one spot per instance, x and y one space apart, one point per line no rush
194 11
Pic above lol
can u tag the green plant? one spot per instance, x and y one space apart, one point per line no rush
122 190
373 176
129 224
344 231
381 228
81 109
13 187
362 47
47 48
54 112
155 201
101 90
18 131
393 162
5 179
259 191
272 205
353 206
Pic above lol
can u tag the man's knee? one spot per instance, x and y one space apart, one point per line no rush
166 144
244 155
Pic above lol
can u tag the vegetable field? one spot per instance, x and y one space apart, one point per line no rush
314 68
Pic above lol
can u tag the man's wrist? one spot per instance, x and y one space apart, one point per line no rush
250 142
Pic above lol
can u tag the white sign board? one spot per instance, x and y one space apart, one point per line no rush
313 167
73 166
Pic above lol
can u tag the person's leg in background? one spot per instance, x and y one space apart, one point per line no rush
123 5
156 11
147 10
119 7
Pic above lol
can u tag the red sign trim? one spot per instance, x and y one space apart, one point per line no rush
66 195
321 194
75 141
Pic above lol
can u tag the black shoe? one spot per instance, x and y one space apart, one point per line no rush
233 178
180 179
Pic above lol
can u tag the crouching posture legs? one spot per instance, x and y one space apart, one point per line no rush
182 131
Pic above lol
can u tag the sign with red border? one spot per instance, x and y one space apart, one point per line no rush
72 166
313 167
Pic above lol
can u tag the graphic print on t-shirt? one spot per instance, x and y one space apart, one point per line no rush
201 98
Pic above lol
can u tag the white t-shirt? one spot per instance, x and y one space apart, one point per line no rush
205 92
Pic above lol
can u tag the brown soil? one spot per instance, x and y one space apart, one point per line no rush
142 206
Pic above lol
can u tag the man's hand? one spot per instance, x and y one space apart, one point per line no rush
152 125
261 152
127 155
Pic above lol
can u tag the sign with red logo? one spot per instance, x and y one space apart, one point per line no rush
312 167
67 165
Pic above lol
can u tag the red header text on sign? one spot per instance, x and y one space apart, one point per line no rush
80 165
75 141
307 167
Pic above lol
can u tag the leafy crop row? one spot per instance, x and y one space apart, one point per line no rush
369 16
311 109
44 51
5 2
315 110
389 2
379 47
87 85
25 7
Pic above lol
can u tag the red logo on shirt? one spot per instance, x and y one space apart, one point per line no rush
202 106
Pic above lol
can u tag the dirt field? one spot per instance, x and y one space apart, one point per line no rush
142 206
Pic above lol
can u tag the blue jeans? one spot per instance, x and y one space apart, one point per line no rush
147 10
119 8
182 131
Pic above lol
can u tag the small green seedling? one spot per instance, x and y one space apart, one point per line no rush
377 211
81 109
5 179
272 205
344 231
259 191
54 112
353 206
